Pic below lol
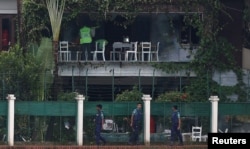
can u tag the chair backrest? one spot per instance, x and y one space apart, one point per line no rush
64 45
196 133
100 44
108 124
146 45
134 46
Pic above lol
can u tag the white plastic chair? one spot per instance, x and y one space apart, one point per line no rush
99 49
132 52
117 50
196 133
146 49
110 125
154 53
64 53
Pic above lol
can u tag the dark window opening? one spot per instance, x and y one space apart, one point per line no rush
6 32
188 33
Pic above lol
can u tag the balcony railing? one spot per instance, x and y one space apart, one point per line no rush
168 55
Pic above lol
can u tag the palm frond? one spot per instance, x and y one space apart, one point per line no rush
55 9
44 56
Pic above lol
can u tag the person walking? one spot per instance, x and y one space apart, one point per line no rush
136 124
176 126
99 121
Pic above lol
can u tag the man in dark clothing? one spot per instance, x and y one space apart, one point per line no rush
136 124
176 126
99 121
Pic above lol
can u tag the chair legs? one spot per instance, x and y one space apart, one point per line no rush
103 56
132 54
154 55
149 56
113 55
78 55
65 56
95 56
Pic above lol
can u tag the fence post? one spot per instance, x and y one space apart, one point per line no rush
11 115
214 113
146 99
79 134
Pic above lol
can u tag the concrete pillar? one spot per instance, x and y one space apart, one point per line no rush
146 99
11 116
214 113
80 106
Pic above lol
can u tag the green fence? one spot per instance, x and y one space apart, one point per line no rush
35 119
63 108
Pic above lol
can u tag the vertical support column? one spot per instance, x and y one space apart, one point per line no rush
86 83
80 106
11 115
146 99
214 113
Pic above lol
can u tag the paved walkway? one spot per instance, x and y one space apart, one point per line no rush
104 147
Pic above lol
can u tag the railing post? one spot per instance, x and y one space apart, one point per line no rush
80 106
11 115
147 99
214 113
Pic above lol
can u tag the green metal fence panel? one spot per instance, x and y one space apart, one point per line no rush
195 109
124 108
3 108
157 108
90 108
110 108
161 108
64 108
186 109
45 108
234 108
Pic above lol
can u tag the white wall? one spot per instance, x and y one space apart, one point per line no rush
8 6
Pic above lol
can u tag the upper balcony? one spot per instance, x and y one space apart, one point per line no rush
125 52
73 62
177 43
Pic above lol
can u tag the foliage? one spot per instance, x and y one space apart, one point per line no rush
68 96
44 57
56 10
246 18
61 133
215 53
173 96
35 21
130 95
19 70
89 128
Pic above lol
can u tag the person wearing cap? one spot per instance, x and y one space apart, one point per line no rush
176 126
136 124
99 121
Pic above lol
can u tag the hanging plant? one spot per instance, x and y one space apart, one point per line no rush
173 96
130 95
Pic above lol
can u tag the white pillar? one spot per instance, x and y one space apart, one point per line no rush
79 134
11 115
214 113
146 99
